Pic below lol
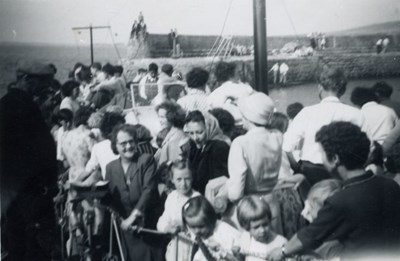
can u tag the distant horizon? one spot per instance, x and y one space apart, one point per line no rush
50 21
336 33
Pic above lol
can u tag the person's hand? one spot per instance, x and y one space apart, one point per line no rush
236 253
127 223
276 254
174 229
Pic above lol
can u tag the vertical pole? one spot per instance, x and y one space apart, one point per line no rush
91 44
174 47
260 46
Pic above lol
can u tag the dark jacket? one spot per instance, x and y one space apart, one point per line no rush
28 176
135 190
209 163
364 217
27 149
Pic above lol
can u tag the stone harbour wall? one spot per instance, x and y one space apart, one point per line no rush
301 69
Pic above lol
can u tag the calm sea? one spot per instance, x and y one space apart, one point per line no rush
62 56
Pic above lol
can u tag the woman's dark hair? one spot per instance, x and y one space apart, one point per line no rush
161 136
347 141
225 120
293 109
118 69
382 89
175 114
82 115
195 116
142 133
167 68
108 123
68 87
127 128
153 67
333 80
279 121
362 95
197 78
224 71
108 69
96 65
65 115
53 67
197 205
84 75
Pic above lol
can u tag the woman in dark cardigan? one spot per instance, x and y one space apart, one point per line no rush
207 152
133 191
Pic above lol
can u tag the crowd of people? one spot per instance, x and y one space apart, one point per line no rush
227 177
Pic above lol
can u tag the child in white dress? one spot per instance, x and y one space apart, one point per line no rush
257 240
214 239
171 219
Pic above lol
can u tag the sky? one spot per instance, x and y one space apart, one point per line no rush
50 21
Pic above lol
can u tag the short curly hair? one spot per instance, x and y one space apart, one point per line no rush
108 69
293 109
109 122
224 71
345 140
82 116
382 89
225 120
153 67
68 87
175 114
333 79
127 128
197 78
279 121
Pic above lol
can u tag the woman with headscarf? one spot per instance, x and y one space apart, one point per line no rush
208 152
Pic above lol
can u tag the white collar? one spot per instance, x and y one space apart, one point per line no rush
369 104
330 99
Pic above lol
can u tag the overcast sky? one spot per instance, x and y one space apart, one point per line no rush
50 21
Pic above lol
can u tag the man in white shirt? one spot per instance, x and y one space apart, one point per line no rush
229 91
283 70
148 84
196 98
275 70
380 119
332 85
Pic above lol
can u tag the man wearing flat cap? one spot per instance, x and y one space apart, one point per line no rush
28 169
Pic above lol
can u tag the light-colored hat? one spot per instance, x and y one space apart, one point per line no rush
32 67
257 108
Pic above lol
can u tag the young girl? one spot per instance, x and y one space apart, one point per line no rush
254 216
181 177
214 239
316 198
171 219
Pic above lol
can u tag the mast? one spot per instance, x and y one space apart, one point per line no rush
260 46
90 28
